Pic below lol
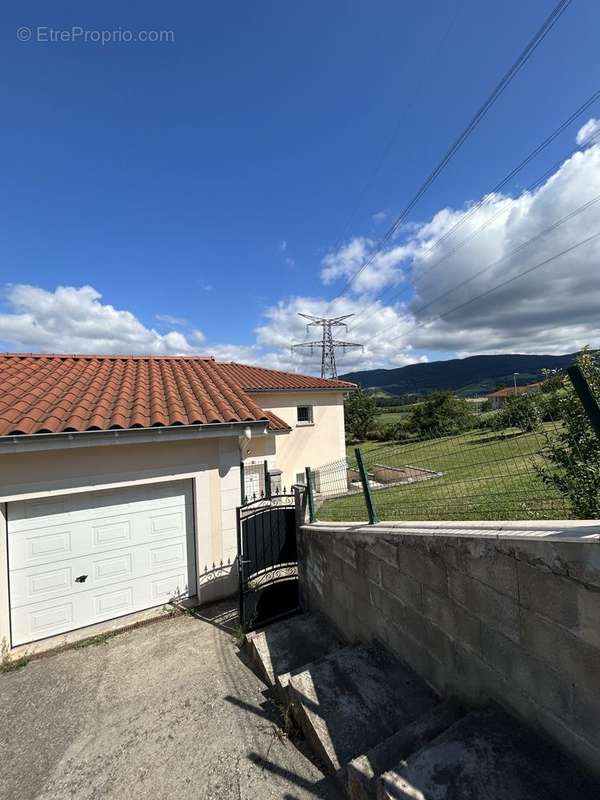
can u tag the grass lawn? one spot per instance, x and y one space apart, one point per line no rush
395 414
391 417
487 476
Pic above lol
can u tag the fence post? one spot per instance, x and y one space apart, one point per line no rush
585 394
312 514
267 480
243 482
240 557
300 503
364 479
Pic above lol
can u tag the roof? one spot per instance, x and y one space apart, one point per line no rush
508 390
75 393
259 379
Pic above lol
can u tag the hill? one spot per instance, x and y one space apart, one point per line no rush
468 376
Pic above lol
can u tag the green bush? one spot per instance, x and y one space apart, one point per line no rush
572 453
552 380
395 432
549 405
441 414
520 411
359 415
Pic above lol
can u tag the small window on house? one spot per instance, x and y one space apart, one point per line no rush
305 415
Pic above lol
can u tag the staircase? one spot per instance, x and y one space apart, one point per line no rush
385 734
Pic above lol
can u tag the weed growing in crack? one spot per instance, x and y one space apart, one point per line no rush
288 728
240 636
8 664
92 641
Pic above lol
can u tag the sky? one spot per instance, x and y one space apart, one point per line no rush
194 193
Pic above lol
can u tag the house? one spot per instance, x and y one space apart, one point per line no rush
120 478
499 398
477 404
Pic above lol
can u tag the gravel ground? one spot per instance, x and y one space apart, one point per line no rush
169 710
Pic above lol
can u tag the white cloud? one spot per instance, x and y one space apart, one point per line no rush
169 319
345 262
197 336
73 320
248 354
379 217
589 133
283 249
552 310
283 327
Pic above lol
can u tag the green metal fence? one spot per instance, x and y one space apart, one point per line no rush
545 465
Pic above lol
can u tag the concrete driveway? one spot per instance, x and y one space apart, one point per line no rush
164 711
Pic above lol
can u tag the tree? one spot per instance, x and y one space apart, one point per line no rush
393 432
520 411
441 413
549 400
572 452
549 405
552 380
359 415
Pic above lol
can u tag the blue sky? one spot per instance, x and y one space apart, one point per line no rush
198 184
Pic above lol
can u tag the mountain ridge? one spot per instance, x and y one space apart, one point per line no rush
471 375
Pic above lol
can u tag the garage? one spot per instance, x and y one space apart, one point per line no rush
119 481
79 559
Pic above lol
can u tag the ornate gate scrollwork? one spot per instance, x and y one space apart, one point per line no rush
267 560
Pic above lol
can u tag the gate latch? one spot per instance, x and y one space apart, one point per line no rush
81 579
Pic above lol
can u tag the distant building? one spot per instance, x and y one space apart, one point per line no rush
477 403
499 398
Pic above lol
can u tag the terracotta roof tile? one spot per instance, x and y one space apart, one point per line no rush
275 423
260 379
71 393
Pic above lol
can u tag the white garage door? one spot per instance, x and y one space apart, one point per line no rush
79 559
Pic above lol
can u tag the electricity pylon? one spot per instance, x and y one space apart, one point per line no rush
327 344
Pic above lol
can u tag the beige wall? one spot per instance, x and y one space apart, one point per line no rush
212 465
4 602
306 445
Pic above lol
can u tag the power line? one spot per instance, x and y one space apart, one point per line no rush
508 281
367 185
477 206
327 345
532 45
535 152
579 210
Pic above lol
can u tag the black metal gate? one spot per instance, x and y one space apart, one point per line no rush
267 560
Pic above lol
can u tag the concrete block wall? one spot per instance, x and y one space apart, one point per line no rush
479 614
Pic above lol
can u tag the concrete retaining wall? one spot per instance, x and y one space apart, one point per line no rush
480 612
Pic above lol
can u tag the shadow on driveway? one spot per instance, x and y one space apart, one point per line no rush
164 711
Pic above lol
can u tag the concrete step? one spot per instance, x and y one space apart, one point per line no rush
349 701
487 754
359 777
284 647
